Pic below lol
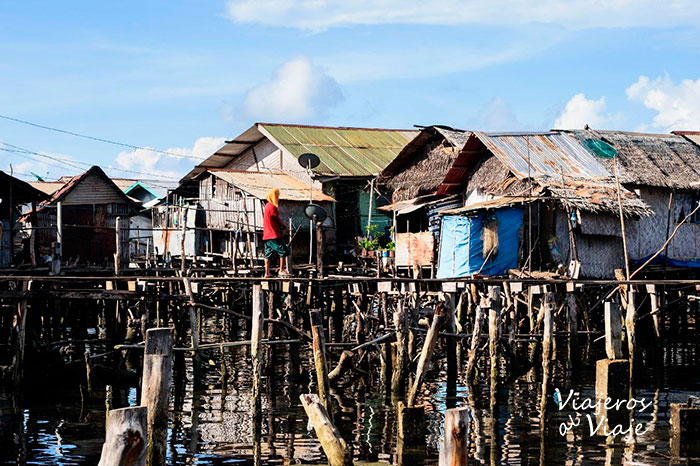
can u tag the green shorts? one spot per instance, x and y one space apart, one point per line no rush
276 246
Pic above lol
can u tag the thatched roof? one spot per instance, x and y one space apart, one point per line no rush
659 160
421 166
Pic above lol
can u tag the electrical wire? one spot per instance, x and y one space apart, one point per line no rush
93 138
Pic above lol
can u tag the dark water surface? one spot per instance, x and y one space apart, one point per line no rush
210 419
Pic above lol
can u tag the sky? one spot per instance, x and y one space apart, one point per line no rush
184 76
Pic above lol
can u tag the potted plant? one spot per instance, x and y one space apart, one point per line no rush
391 248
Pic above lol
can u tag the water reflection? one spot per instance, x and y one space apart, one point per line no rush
211 416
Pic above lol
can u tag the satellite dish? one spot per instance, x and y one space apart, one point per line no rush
309 160
315 210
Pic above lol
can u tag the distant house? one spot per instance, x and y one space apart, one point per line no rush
14 193
349 158
139 192
532 201
90 205
227 216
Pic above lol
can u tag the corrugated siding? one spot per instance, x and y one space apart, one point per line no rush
343 151
93 190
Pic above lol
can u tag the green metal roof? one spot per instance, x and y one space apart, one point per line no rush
343 151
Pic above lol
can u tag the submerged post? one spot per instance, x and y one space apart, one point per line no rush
255 350
117 246
155 390
410 444
547 333
401 324
125 440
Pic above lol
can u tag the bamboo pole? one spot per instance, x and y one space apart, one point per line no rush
125 440
155 390
547 305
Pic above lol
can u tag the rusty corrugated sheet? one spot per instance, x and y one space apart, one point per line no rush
259 183
550 154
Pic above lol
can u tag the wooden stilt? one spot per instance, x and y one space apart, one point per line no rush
155 390
410 445
613 330
426 353
547 334
319 348
453 450
333 444
125 440
476 337
400 369
255 350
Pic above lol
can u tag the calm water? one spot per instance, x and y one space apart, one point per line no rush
210 422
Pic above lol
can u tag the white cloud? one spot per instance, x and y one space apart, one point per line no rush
677 106
580 111
159 165
317 15
298 90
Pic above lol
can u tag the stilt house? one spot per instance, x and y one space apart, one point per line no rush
349 159
14 193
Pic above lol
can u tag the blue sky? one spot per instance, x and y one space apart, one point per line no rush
184 76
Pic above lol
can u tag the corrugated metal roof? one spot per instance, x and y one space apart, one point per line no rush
259 183
496 203
343 151
549 154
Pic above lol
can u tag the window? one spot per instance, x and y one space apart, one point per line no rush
694 201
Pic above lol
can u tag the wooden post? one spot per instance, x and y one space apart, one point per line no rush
58 250
630 318
333 444
319 347
655 314
401 324
476 337
572 324
319 249
453 450
426 353
255 350
685 430
21 338
125 440
155 390
410 444
32 236
450 342
547 333
494 312
183 228
117 246
613 331
88 367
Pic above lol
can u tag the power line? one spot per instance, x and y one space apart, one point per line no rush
93 138
74 163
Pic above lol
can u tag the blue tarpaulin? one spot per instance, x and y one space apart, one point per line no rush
461 244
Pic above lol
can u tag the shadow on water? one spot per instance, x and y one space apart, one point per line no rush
211 416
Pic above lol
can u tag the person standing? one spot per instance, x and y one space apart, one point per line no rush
272 233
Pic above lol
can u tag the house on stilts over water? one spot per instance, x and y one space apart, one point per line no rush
350 158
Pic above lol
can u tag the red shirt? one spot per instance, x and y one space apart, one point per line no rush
271 222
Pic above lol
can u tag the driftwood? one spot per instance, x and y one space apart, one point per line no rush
319 349
125 440
333 444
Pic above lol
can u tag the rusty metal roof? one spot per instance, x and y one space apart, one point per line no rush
343 151
547 154
259 183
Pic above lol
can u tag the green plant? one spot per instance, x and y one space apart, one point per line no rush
390 246
370 241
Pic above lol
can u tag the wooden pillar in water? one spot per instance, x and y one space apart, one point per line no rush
630 324
476 337
613 330
453 450
125 439
21 329
572 323
319 348
319 249
334 446
155 390
410 444
256 356
547 333
426 353
494 314
400 369
117 246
